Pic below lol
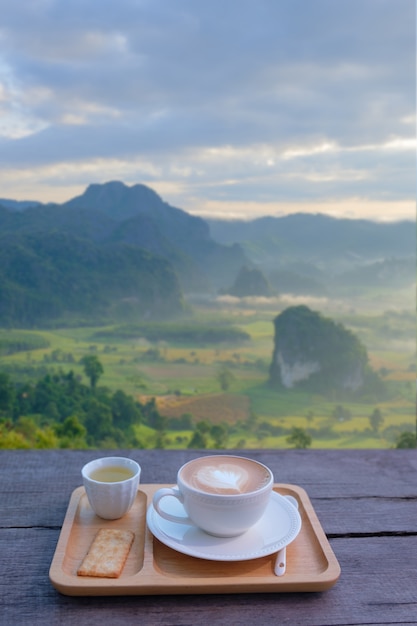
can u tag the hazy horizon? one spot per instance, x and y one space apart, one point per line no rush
227 217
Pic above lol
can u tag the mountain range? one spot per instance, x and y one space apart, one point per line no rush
317 238
122 251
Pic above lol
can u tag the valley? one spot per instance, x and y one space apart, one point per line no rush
185 379
179 312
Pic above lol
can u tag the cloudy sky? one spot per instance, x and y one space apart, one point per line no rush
227 108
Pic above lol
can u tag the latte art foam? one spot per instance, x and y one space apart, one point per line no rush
222 478
225 476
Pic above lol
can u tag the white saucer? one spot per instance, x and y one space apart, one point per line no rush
278 527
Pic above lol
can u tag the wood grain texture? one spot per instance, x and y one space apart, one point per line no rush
366 502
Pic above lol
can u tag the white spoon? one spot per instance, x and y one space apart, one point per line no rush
281 559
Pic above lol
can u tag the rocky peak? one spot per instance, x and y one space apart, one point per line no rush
314 352
249 282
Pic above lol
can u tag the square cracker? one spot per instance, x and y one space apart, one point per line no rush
107 554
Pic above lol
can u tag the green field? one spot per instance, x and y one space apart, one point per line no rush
184 376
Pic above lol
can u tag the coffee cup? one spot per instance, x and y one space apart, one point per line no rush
224 495
111 484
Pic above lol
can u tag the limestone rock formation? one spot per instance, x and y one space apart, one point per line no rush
249 282
315 353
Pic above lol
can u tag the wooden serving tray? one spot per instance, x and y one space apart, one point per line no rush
153 568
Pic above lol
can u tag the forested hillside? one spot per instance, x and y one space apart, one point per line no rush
112 254
318 237
119 253
61 411
321 255
52 278
116 213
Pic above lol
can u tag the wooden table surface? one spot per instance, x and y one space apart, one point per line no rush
366 501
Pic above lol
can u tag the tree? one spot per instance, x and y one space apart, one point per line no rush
93 368
152 416
200 435
407 439
71 428
219 433
299 438
98 421
125 411
341 414
12 439
310 416
46 438
27 427
198 441
160 440
7 394
225 378
376 420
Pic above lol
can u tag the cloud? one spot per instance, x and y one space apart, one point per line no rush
279 102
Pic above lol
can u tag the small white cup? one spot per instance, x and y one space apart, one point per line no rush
212 507
111 484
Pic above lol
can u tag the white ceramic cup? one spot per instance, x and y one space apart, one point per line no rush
111 484
224 495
